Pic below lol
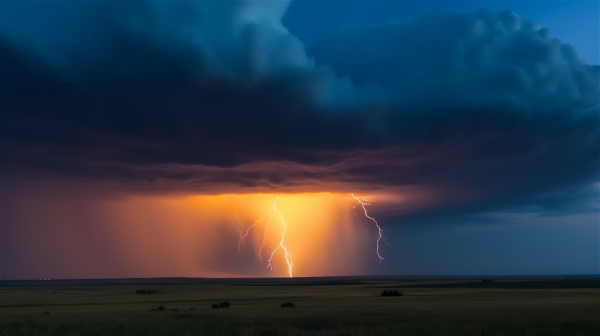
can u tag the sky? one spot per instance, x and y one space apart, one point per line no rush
276 138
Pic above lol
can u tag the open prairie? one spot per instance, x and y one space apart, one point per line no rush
451 307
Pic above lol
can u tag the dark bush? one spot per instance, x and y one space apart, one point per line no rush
224 304
390 293
288 304
174 309
150 291
192 309
161 308
46 312
215 306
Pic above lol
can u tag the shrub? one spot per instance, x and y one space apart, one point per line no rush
192 309
150 291
390 293
46 312
224 304
161 308
215 306
174 309
288 304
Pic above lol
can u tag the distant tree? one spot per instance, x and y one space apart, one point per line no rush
174 309
224 304
391 293
215 306
192 309
288 304
161 308
46 312
149 291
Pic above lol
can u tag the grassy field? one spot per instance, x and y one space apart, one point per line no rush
431 308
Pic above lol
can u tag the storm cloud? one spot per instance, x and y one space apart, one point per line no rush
468 113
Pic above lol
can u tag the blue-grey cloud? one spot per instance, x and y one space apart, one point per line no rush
478 59
480 112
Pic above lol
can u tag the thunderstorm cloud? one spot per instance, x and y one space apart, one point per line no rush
466 113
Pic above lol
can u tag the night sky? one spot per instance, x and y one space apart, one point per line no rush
133 133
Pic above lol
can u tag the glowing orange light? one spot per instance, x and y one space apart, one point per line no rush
157 235
364 202
288 257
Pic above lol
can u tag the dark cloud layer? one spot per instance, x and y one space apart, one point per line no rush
472 112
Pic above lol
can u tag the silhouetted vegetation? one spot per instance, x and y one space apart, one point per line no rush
390 293
487 280
215 306
161 308
478 309
150 291
224 304
192 309
46 312
174 309
288 304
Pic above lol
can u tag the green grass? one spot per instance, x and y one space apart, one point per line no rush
320 310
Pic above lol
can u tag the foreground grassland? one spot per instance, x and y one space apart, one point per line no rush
433 308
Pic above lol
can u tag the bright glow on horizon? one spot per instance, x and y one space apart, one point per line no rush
314 227
198 236
288 256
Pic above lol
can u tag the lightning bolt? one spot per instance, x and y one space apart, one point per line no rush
364 202
248 231
264 238
240 229
288 256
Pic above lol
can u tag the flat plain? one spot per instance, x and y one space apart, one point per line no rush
440 307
